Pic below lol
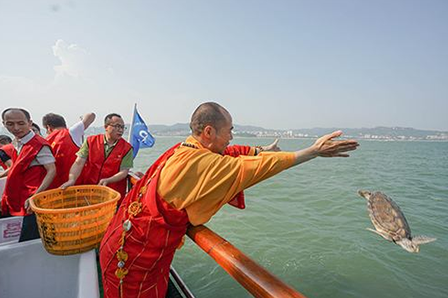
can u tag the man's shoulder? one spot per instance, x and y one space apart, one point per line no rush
198 155
95 137
126 143
40 140
57 132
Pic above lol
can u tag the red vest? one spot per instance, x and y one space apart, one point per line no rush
151 242
11 152
155 234
98 166
235 151
64 150
23 180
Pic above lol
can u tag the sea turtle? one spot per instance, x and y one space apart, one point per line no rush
390 222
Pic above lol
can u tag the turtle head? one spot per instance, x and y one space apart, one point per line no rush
408 245
365 194
412 245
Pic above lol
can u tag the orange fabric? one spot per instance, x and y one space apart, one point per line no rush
217 179
157 230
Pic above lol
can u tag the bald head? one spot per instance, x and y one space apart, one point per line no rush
17 121
209 113
17 110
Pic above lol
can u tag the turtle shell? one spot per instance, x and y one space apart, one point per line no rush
387 217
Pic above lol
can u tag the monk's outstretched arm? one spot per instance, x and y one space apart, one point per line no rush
326 147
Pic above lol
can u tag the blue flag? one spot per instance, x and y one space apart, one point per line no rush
140 136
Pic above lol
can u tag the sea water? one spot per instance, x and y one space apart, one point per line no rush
307 225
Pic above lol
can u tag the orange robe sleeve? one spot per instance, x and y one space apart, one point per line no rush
201 181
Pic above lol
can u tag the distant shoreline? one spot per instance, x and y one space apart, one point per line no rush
380 133
311 138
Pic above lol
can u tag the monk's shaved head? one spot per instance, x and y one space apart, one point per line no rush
208 113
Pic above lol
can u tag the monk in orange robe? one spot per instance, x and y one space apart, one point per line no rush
187 185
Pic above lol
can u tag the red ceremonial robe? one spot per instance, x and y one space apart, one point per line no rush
23 180
64 150
98 166
155 234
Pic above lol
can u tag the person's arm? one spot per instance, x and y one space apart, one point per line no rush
271 148
115 178
51 172
75 171
326 147
237 150
88 119
4 157
126 164
77 166
49 176
8 164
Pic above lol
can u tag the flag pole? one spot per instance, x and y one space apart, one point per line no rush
131 129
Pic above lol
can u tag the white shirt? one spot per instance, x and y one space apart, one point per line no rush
77 133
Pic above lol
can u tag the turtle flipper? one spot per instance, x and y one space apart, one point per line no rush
423 239
385 236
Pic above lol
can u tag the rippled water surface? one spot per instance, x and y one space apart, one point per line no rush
307 224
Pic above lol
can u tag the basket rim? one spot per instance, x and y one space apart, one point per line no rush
83 208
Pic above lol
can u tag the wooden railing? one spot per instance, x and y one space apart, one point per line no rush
257 280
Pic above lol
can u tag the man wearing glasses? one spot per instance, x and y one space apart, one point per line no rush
103 159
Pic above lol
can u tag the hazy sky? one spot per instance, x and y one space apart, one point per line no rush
276 64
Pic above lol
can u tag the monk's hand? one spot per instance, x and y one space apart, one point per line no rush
272 147
326 146
104 182
27 206
67 184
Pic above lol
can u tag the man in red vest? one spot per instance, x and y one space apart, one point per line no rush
32 171
104 159
65 142
187 185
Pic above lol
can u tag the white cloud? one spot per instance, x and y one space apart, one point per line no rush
82 83
74 60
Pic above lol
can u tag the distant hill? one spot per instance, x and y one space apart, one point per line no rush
379 133
384 133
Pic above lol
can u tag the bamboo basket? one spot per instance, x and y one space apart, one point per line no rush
74 220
